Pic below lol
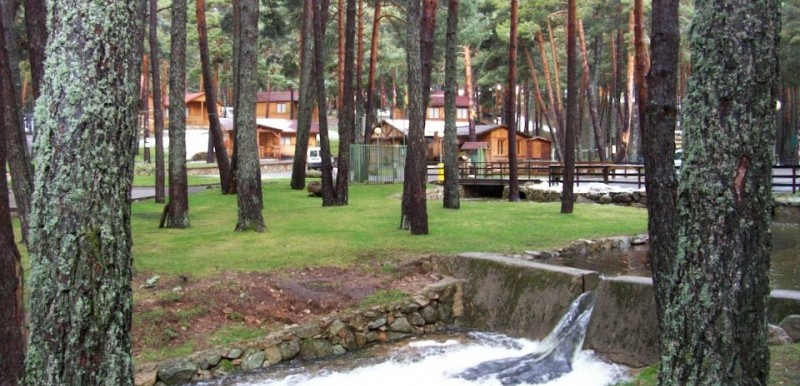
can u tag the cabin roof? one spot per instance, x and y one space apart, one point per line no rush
277 96
288 126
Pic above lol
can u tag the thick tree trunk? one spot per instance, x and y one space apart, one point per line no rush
714 324
641 66
358 135
321 10
17 156
178 205
557 77
451 199
347 121
306 97
144 108
373 63
214 127
36 31
567 200
414 207
248 169
80 300
340 63
658 139
511 94
12 311
470 91
158 115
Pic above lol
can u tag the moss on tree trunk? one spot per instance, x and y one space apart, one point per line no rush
80 240
714 323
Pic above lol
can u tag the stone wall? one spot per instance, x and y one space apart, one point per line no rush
428 311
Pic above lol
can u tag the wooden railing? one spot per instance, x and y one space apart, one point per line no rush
783 176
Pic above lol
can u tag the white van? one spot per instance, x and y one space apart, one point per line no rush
314 158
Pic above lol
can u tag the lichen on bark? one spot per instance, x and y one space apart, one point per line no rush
80 241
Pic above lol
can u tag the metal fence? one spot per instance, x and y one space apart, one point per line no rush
377 163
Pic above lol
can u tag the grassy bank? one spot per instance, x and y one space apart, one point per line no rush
300 232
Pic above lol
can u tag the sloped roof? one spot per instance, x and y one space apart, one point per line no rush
277 96
437 100
275 124
189 97
474 145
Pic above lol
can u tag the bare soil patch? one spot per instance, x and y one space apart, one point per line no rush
195 312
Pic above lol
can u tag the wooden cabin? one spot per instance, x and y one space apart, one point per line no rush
540 148
280 104
276 137
196 111
436 108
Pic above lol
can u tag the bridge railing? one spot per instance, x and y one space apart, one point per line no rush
783 176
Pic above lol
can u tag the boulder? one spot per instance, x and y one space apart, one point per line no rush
253 360
314 189
177 372
791 324
315 348
622 198
401 325
289 349
273 355
777 336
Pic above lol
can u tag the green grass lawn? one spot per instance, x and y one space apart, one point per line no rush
300 232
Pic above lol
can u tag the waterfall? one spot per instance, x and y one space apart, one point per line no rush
552 358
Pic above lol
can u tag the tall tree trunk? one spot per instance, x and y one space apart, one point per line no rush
511 93
641 66
557 77
17 156
414 205
158 115
36 31
80 300
347 121
320 13
658 139
306 97
340 64
427 31
178 205
373 63
12 308
590 97
359 125
248 168
144 107
714 324
557 129
567 200
451 199
470 91
214 127
551 109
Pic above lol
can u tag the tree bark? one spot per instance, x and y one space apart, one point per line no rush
320 10
473 116
12 308
178 205
567 199
36 31
557 77
248 169
641 66
659 121
359 124
714 324
414 210
550 110
511 94
451 199
557 129
80 299
373 63
17 156
340 64
427 32
214 127
306 97
144 108
158 115
348 119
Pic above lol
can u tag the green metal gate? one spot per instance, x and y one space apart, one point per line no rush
377 163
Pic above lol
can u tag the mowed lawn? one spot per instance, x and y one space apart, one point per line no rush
300 232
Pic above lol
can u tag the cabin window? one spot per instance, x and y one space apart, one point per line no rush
433 112
501 146
281 107
286 140
462 114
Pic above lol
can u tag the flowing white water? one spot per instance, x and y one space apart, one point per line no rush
436 363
